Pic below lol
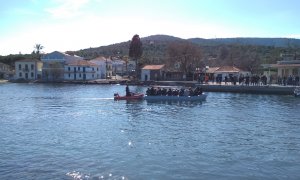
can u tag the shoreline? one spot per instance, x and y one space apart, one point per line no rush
210 87
3 81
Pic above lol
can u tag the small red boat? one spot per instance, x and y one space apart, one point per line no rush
132 97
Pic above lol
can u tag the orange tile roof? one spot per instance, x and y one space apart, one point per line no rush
228 69
153 67
212 69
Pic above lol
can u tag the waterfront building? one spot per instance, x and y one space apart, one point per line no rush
104 65
4 71
118 66
53 65
28 69
224 71
153 72
287 67
81 70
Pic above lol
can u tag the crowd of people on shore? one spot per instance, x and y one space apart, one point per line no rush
252 80
290 80
174 92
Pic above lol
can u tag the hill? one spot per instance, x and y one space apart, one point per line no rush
274 42
245 53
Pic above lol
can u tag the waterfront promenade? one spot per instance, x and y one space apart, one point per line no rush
268 89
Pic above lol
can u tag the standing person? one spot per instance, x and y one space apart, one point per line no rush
127 91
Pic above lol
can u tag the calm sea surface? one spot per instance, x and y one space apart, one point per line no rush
79 132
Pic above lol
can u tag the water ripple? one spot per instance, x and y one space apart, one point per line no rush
80 132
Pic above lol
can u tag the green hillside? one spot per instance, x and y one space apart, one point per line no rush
245 53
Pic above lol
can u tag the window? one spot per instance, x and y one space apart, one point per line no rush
93 75
32 75
26 67
69 68
92 69
69 74
32 66
20 66
80 75
78 68
74 69
20 74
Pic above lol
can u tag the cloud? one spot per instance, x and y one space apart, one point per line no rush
66 8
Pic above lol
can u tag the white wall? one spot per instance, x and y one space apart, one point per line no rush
90 73
26 70
144 73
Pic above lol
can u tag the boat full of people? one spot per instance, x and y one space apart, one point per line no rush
201 97
164 94
182 94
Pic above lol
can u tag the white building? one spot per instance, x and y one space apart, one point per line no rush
29 69
153 73
118 66
104 65
224 71
53 65
81 70
288 66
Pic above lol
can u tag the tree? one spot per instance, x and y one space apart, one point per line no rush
188 55
37 50
135 50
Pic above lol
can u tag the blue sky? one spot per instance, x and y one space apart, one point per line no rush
77 24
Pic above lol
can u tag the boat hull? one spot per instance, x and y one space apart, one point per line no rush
176 98
133 97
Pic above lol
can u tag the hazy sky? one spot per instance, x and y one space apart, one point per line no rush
77 24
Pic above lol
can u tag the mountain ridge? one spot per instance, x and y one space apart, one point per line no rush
247 53
166 39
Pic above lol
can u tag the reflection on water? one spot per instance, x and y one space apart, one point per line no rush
79 132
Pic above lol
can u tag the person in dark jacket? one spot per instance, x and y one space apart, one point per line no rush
127 91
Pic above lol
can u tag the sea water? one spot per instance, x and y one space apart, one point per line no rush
65 131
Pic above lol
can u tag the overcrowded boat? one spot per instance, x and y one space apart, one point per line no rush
174 94
164 94
201 97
